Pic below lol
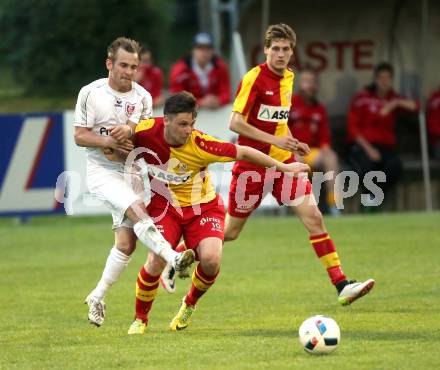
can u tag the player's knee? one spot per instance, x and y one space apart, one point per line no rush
211 262
126 246
230 237
232 234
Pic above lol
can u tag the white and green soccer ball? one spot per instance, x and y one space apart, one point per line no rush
319 335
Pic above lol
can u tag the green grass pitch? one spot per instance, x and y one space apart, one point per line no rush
269 283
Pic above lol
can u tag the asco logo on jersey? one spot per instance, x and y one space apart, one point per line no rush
271 113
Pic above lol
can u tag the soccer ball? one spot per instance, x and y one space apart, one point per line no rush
319 335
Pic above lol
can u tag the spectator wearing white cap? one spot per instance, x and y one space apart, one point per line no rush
203 73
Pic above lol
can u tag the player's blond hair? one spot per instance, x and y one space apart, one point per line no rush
279 31
129 45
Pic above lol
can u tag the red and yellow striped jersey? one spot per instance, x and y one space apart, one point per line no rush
179 174
264 99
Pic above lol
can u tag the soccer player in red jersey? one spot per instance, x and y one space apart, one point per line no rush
260 114
184 203
308 122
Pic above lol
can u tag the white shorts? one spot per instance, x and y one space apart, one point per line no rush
114 189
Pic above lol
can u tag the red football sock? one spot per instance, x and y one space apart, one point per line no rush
326 251
146 290
200 284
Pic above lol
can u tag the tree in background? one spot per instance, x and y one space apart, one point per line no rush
55 46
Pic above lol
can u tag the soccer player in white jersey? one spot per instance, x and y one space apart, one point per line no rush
106 114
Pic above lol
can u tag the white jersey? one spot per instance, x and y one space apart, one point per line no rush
99 107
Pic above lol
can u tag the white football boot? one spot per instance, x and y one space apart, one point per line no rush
354 290
168 278
96 310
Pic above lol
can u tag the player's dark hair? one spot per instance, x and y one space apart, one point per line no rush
129 45
383 67
279 31
181 102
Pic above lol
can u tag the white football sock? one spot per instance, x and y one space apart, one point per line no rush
148 234
115 265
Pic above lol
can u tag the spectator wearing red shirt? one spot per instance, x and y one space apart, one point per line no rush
371 127
308 122
150 77
203 74
433 122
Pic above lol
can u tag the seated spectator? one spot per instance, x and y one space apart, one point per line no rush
308 122
433 122
371 127
203 74
150 77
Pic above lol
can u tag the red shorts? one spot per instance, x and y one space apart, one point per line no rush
194 223
249 187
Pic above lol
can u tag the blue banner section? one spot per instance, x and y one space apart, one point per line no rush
31 159
11 126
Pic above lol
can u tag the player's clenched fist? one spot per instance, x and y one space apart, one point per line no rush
121 133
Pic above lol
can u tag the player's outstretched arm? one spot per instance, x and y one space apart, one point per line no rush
238 124
245 153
